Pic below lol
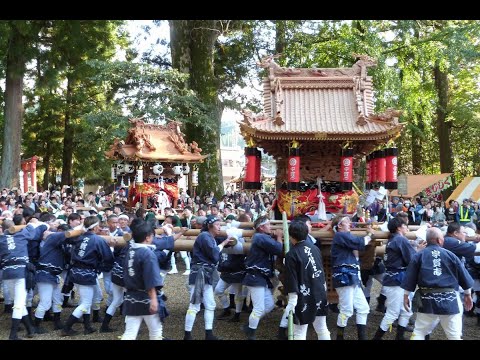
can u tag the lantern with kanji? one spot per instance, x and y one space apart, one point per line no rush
391 182
253 160
195 177
113 175
293 166
346 169
139 177
380 167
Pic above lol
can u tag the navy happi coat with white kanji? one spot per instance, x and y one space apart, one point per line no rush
140 273
304 275
90 255
438 274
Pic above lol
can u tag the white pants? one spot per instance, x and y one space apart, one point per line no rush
107 284
48 293
320 326
17 288
224 299
193 309
395 308
185 258
451 324
262 300
7 295
117 292
132 325
85 293
352 298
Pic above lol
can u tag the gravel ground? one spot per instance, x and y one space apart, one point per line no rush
177 305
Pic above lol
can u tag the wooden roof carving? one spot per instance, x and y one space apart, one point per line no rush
155 143
336 103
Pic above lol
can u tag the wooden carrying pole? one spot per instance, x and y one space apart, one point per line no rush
286 249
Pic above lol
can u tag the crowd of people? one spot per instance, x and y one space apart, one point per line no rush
44 262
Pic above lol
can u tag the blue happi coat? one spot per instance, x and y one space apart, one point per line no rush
14 251
90 255
119 254
140 273
459 248
398 254
345 265
52 258
164 250
260 260
232 264
438 273
205 254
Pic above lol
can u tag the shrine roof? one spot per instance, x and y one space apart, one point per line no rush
154 142
326 104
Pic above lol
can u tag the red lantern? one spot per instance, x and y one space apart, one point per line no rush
346 169
293 169
368 171
391 182
381 167
373 169
252 168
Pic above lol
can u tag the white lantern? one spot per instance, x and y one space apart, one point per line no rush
177 170
186 169
114 173
120 168
195 178
139 177
129 169
157 169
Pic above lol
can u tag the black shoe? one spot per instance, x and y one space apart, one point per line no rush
381 304
232 301
235 318
249 332
282 333
188 335
107 330
48 316
225 315
89 330
68 332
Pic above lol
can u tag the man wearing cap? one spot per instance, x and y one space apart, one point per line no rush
259 271
464 213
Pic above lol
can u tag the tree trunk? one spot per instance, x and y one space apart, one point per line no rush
280 30
67 158
417 140
46 165
443 126
12 134
192 44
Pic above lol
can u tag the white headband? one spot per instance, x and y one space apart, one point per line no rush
341 221
92 226
262 223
